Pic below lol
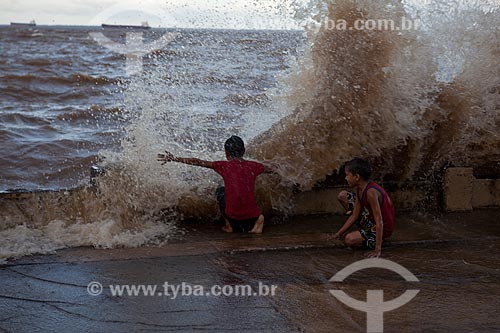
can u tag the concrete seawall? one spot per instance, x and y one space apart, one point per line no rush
460 191
406 196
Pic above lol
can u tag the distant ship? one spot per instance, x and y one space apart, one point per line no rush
144 25
31 24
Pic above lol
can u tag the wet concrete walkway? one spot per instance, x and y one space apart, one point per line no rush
455 257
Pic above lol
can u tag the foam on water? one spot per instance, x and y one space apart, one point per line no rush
24 240
138 201
411 101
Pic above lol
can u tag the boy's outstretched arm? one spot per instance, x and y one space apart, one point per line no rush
169 157
271 168
350 221
373 201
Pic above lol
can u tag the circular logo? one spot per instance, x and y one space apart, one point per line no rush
375 306
94 288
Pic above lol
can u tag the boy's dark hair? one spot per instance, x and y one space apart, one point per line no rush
359 166
234 146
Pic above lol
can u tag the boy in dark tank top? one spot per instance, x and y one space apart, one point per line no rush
371 208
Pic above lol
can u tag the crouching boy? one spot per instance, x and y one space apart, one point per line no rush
373 210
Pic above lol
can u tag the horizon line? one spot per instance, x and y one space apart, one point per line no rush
152 27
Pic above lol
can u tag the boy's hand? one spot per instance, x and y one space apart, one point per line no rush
334 236
167 157
374 254
271 168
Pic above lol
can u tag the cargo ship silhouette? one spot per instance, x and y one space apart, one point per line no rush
144 25
32 23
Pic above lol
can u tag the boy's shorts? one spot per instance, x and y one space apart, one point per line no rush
242 225
367 227
351 199
237 225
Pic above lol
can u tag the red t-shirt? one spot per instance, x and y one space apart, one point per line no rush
386 208
239 182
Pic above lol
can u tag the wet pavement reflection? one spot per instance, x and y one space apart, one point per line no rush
458 282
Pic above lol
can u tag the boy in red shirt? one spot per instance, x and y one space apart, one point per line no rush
236 199
373 209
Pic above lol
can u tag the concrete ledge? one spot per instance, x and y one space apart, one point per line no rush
404 195
458 186
486 193
461 192
318 201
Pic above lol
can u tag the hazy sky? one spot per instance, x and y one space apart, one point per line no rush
240 14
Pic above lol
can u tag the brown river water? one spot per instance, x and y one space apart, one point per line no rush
411 101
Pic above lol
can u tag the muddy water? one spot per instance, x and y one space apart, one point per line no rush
458 293
458 286
458 281
410 101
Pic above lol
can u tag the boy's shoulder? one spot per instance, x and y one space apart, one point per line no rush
253 162
235 163
255 166
376 191
246 166
375 187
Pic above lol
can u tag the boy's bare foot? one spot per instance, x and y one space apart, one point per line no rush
259 224
227 228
